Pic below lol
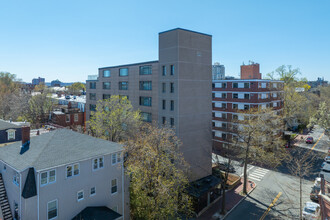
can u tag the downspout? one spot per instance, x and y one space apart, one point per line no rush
38 193
123 190
20 195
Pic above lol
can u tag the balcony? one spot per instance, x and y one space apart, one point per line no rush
92 77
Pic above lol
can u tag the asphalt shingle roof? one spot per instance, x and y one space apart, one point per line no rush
56 148
6 125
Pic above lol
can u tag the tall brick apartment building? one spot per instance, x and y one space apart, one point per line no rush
174 89
231 97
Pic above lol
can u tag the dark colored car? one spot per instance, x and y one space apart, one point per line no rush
309 140
225 167
315 191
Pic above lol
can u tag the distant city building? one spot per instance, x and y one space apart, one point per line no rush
55 83
251 71
37 81
319 82
218 71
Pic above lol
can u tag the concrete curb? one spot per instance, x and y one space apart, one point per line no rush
239 202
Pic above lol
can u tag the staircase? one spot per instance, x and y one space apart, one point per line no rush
4 204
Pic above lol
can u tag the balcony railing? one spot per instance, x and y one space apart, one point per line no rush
92 77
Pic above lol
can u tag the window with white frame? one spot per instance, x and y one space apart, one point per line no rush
75 117
16 178
47 177
72 170
118 157
98 163
274 104
113 186
52 210
113 159
274 94
80 195
93 191
11 134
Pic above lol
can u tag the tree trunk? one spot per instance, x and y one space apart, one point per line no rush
245 170
223 205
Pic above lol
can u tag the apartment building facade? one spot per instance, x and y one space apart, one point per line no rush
172 90
60 174
231 97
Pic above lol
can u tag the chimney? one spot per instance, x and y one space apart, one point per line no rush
25 134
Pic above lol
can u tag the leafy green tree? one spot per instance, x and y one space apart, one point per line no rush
321 117
40 88
76 88
114 119
39 109
158 175
259 139
9 89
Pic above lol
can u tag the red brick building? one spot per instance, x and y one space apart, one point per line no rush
70 118
251 71
231 97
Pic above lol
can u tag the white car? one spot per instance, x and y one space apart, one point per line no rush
311 211
327 159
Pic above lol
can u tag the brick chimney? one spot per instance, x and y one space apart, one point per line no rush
25 134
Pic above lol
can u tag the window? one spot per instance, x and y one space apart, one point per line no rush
213 95
235 117
80 195
213 114
52 176
145 101
123 85
75 169
113 186
106 85
145 70
235 106
172 122
146 116
16 178
246 107
118 157
106 96
164 104
223 136
52 209
235 85
92 85
172 87
164 120
223 105
98 163
246 85
67 118
123 72
92 96
145 85
75 117
164 70
235 96
123 96
11 134
172 105
224 95
246 96
106 73
163 87
48 177
224 85
93 191
92 107
172 70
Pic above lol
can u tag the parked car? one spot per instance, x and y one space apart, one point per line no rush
311 211
314 193
309 140
225 167
327 159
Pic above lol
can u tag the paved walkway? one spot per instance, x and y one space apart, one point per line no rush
233 197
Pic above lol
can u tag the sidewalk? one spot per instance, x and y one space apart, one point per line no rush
233 197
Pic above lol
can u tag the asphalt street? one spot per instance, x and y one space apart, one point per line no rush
278 188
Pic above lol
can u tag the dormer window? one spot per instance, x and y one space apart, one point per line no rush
11 134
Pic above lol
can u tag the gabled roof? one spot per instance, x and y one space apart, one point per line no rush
6 125
97 213
56 148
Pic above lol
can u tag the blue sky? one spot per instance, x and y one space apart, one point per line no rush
68 40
